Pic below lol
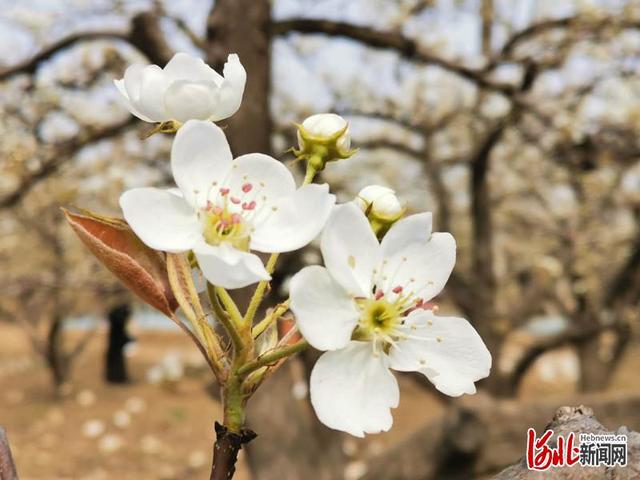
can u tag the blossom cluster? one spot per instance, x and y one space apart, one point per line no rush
369 308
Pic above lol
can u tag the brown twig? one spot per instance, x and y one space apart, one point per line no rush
225 451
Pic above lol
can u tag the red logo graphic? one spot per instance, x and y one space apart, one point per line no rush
541 456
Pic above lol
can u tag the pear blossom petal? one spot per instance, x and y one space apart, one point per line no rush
324 124
127 102
412 229
162 220
268 178
229 267
379 201
133 80
325 314
420 268
353 391
350 249
293 221
186 100
447 350
187 88
185 67
231 89
152 90
200 158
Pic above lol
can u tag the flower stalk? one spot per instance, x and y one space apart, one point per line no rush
273 356
230 306
258 294
266 322
224 318
179 274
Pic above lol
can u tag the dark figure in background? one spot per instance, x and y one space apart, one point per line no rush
116 369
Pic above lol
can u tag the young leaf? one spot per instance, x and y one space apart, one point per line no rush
142 269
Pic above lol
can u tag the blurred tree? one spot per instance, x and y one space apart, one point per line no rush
115 366
40 301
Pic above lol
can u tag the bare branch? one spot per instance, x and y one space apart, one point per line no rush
58 157
29 65
145 34
81 345
195 39
566 22
591 27
627 281
406 47
392 145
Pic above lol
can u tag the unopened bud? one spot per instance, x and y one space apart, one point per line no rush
323 138
381 206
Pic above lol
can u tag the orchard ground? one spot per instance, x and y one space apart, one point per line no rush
165 430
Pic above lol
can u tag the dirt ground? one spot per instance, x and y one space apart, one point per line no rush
165 430
138 431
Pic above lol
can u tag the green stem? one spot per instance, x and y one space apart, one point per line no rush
269 319
272 357
229 305
234 402
258 295
223 317
309 175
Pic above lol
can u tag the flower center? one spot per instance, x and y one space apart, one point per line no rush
222 225
229 215
378 317
382 318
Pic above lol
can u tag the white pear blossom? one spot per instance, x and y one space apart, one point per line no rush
368 310
379 201
223 208
186 88
325 126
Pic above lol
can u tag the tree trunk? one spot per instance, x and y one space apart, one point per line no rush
115 365
598 361
243 27
56 359
7 466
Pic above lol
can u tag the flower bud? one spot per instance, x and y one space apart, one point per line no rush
323 138
381 206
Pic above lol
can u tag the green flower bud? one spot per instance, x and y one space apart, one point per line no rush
323 138
381 206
